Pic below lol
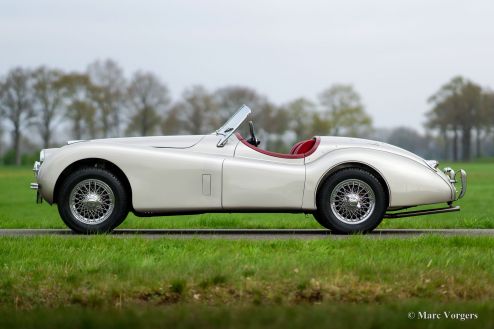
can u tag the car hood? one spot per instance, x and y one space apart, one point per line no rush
154 141
347 142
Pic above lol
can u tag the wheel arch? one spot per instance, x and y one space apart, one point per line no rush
360 165
97 163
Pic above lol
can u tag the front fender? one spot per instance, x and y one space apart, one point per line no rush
409 182
161 179
57 161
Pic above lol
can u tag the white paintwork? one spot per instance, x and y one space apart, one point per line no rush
156 141
251 181
191 173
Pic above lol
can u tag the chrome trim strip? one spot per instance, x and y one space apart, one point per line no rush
432 163
421 212
75 141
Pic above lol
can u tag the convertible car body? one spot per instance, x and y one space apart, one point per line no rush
348 184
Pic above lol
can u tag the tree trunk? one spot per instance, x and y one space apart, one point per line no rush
46 133
106 124
46 138
116 122
77 129
466 143
17 144
445 141
105 120
479 149
455 144
143 122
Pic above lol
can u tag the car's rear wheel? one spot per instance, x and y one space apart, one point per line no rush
351 201
92 200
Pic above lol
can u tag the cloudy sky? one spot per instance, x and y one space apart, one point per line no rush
395 53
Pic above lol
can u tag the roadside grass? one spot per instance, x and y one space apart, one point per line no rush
109 271
343 315
127 282
18 210
113 282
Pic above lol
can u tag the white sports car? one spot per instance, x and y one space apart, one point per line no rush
348 184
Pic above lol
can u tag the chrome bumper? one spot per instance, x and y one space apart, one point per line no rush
36 166
454 180
36 186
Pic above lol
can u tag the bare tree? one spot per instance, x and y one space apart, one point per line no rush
488 103
109 96
320 124
472 116
300 113
48 99
344 109
484 119
16 104
229 99
1 135
457 107
172 123
148 99
195 110
269 119
77 90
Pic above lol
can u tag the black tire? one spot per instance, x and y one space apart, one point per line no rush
111 217
336 221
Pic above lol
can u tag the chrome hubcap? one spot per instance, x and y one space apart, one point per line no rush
352 201
91 201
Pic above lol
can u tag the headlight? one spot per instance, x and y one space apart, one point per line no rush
42 156
450 173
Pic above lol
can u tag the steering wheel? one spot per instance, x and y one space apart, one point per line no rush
253 140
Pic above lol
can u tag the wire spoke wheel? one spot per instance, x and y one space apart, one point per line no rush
352 201
91 201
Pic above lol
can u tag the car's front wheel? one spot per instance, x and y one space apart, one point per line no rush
351 201
92 200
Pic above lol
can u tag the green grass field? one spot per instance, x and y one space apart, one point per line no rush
127 282
361 279
18 210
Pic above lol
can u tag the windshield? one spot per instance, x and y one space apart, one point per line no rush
232 124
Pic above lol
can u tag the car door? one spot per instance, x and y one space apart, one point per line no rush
254 179
179 180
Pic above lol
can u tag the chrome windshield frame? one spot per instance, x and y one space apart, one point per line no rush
232 124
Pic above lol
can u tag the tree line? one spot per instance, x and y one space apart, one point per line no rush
461 111
100 102
41 104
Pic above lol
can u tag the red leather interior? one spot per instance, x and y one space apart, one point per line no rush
298 151
303 146
295 146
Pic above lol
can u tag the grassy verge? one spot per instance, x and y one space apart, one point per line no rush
300 316
105 271
113 282
18 210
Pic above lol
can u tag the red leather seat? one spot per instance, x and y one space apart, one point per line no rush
303 146
299 150
295 146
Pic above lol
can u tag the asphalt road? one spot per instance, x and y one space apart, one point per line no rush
251 233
